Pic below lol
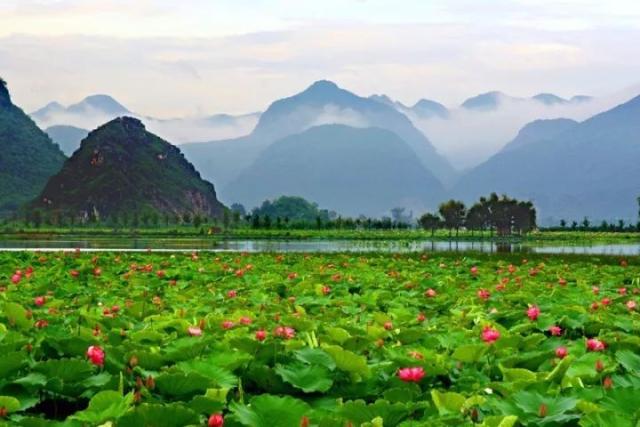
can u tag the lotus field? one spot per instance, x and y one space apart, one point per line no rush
149 339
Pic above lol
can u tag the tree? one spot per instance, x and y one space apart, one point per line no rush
563 224
453 213
585 223
478 216
430 221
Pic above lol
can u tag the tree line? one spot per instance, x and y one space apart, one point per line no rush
498 214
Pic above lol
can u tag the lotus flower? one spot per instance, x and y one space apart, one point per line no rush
484 294
232 294
411 374
227 324
194 331
533 312
631 305
284 332
490 335
561 352
430 293
95 355
261 335
216 420
555 330
594 344
15 279
474 270
39 301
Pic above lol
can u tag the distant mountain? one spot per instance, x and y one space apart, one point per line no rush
486 101
27 156
321 103
67 137
426 109
95 110
588 169
121 169
350 170
99 103
581 98
549 99
423 109
539 130
94 105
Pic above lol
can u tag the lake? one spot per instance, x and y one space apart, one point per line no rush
187 245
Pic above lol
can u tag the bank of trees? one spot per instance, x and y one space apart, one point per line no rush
498 214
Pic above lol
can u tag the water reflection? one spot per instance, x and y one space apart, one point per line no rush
141 244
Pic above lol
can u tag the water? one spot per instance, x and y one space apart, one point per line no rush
327 246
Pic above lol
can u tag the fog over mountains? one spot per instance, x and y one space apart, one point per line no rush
558 151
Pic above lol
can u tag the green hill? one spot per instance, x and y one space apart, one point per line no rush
27 156
121 169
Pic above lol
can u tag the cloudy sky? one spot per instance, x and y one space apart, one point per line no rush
172 58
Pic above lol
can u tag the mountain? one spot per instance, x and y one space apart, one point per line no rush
321 103
67 137
426 109
94 106
98 103
581 98
588 169
423 109
549 99
95 110
350 170
27 156
539 130
486 102
120 169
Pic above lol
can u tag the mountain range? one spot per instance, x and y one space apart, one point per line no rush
333 146
65 125
321 103
569 169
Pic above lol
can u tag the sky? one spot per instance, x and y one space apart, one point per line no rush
169 58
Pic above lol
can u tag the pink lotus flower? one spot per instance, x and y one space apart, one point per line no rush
232 294
622 291
39 301
555 330
561 352
599 365
115 308
562 282
484 294
605 301
474 270
490 335
533 312
388 326
594 344
430 293
411 374
95 355
245 320
326 290
194 331
421 317
261 335
16 278
284 332
595 290
216 420
227 324
631 305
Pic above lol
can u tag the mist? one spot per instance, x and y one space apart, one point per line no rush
469 137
